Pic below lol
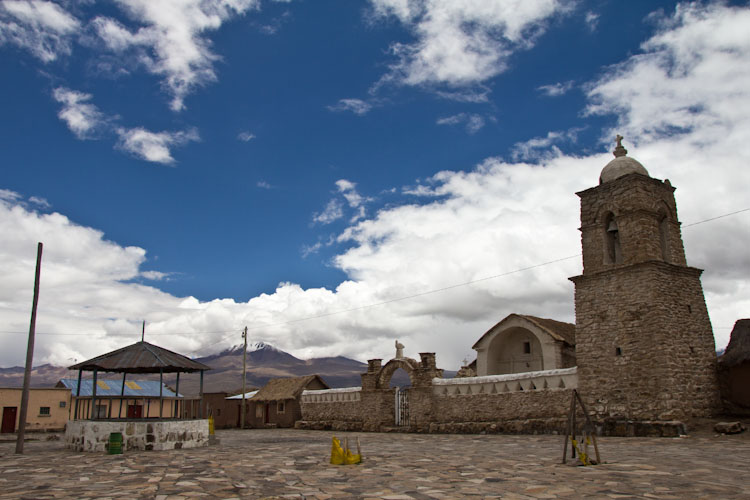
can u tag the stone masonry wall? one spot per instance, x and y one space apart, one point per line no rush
644 344
93 435
638 203
345 411
550 405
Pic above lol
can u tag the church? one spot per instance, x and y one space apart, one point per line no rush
641 353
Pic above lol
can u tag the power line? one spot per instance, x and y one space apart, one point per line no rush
717 217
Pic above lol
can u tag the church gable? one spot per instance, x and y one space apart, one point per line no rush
522 343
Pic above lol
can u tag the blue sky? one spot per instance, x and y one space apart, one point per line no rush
208 165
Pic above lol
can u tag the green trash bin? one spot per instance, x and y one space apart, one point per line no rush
115 443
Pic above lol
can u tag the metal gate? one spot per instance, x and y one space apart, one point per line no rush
402 407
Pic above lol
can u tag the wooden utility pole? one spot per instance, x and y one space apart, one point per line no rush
29 356
244 372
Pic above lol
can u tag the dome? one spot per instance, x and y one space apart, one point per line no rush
621 165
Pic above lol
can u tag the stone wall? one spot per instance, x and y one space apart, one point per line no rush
93 435
331 409
644 344
638 204
522 402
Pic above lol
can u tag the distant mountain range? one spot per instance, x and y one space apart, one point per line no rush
264 362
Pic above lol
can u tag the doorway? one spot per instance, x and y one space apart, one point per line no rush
135 411
9 419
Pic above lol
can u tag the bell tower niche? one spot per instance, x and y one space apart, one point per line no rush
644 343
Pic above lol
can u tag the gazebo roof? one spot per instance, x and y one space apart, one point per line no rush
141 357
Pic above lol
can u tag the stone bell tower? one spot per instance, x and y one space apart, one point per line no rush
644 344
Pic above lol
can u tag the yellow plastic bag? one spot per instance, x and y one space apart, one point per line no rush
351 458
337 452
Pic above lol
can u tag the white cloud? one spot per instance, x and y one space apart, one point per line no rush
153 146
592 20
170 42
542 147
349 190
556 89
462 43
245 136
356 106
43 28
8 195
332 212
473 122
82 117
40 202
154 275
263 185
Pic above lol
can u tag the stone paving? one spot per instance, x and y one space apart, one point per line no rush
294 464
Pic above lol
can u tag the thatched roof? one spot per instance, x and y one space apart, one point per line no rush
141 357
280 389
738 349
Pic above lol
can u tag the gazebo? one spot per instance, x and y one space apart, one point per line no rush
154 433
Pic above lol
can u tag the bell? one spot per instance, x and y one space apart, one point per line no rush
612 228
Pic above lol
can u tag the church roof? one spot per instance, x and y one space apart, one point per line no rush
622 165
141 357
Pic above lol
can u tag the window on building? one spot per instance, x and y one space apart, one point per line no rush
63 404
527 347
258 410
218 412
101 411
44 411
280 407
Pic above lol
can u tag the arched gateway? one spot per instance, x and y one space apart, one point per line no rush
405 406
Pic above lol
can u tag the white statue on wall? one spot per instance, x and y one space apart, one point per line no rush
399 350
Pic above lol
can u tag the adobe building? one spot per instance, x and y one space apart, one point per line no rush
734 370
47 410
277 404
641 353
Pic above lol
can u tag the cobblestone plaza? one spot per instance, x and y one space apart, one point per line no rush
294 464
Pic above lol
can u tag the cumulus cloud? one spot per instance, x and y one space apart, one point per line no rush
43 28
82 117
507 229
153 146
462 43
473 122
356 106
170 41
263 185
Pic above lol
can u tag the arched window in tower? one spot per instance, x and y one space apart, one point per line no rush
664 238
612 250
